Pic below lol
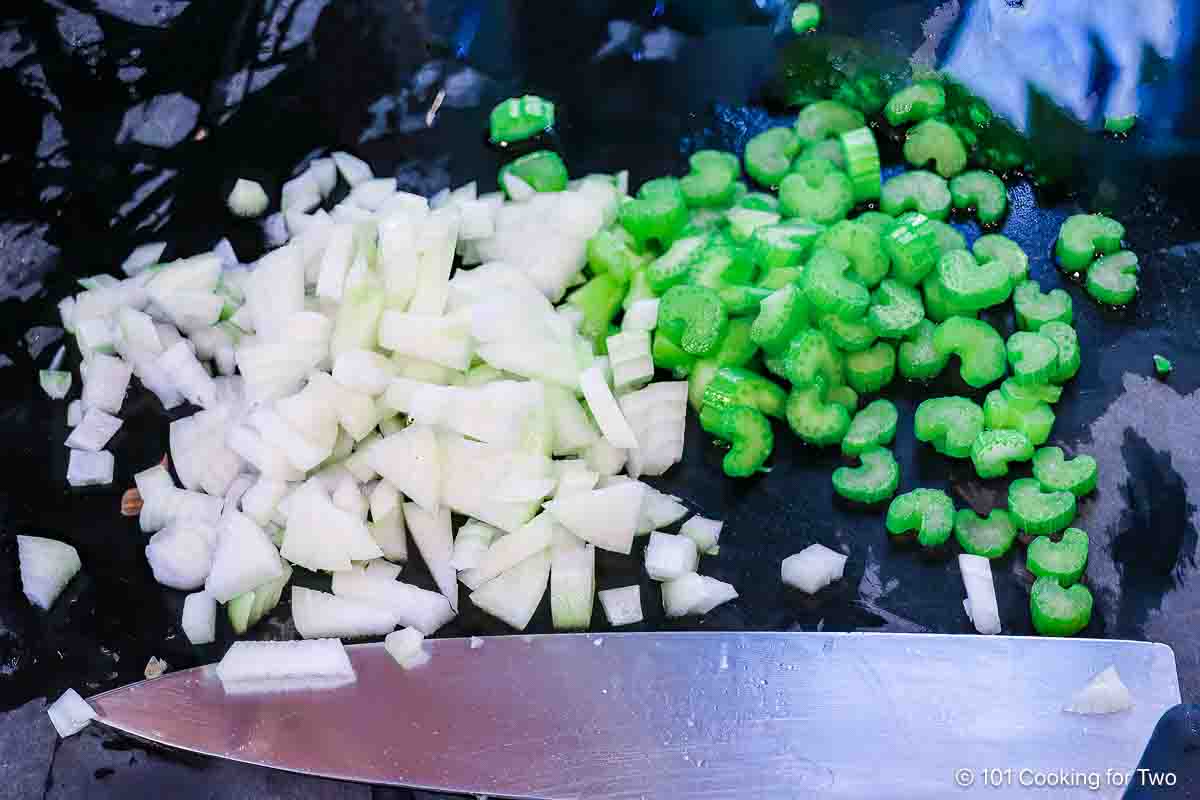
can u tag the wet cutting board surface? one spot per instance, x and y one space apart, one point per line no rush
130 123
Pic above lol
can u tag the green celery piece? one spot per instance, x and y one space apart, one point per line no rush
818 191
929 512
917 190
1062 561
519 118
874 426
1055 473
994 450
978 346
1084 236
920 101
870 370
950 424
1037 512
934 140
748 432
1057 611
981 191
988 538
873 482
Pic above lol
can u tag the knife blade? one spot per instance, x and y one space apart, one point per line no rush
681 715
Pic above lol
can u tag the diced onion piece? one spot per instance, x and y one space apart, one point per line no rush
353 169
319 615
47 566
324 172
407 647
280 666
574 432
74 413
471 543
188 375
605 410
813 568
442 340
94 431
411 460
508 551
387 521
106 382
514 595
642 315
574 476
981 593
622 606
248 198
659 510
607 518
517 188
669 557
321 536
605 459
683 594
90 469
143 256
200 618
1105 693
432 534
572 581
419 608
260 500
301 193
630 359
657 415
363 371
715 593
181 555
373 194
382 569
704 532
70 713
55 383
244 559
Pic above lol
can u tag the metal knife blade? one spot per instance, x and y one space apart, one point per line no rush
679 715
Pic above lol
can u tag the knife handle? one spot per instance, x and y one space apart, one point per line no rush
1170 765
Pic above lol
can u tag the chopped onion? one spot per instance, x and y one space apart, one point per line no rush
381 569
572 581
348 498
353 170
1105 693
324 172
607 518
301 193
90 469
659 510
248 198
47 566
260 499
604 458
432 534
642 315
105 384
371 195
55 383
514 595
407 647
387 521
574 431
629 356
813 568
442 340
622 606
419 608
321 536
657 415
411 461
508 551
187 374
669 557
319 615
143 256
74 413
244 558
200 618
704 532
181 555
980 603
517 189
695 594
363 371
70 713
94 431
280 666
605 410
471 543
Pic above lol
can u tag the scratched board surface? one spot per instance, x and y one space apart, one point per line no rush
128 121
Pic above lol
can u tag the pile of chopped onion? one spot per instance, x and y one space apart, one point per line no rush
351 390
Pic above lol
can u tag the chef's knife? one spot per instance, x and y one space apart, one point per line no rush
685 715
